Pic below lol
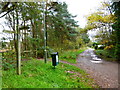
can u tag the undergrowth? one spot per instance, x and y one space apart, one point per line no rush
106 54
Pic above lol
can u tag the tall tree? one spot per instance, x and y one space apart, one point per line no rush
60 24
102 21
116 27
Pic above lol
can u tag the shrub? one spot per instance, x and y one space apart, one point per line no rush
108 47
9 60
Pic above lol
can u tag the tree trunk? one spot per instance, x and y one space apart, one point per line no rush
18 46
33 36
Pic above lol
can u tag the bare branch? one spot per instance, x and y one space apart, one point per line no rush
6 13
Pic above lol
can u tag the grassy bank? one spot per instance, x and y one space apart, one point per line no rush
106 54
37 74
70 55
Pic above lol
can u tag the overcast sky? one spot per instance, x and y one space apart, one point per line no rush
82 8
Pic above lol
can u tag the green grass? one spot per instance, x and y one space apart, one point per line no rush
37 74
0 70
106 54
70 55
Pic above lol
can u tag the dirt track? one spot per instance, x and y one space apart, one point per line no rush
105 73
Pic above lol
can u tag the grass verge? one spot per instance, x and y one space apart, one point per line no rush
37 74
70 55
0 70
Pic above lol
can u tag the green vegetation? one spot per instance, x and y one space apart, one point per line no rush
116 27
60 26
36 74
106 55
0 70
63 35
107 26
70 55
8 60
27 26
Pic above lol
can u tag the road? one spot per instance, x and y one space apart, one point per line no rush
104 73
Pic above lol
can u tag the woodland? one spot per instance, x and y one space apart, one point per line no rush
36 29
